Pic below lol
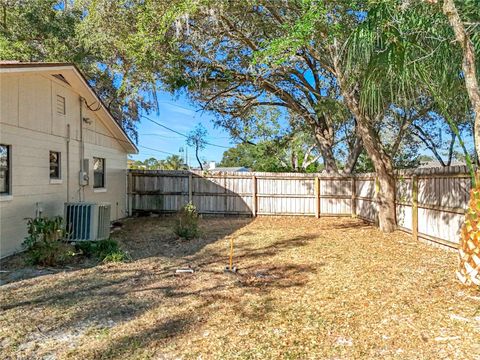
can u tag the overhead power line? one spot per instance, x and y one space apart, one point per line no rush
179 133
163 126
160 151
162 136
176 137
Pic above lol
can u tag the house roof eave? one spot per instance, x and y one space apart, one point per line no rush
15 67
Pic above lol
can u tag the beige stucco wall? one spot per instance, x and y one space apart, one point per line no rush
29 123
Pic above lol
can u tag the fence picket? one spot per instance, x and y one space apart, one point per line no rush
430 202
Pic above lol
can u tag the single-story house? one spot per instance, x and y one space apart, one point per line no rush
437 164
229 169
212 167
58 143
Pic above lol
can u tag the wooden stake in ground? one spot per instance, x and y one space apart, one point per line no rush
230 267
231 253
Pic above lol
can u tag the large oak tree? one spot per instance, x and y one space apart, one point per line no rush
214 51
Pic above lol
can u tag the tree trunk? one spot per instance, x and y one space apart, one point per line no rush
469 263
382 164
385 175
326 149
4 8
198 159
294 160
468 65
380 159
329 160
355 152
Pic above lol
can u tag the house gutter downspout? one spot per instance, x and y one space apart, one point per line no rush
68 162
81 193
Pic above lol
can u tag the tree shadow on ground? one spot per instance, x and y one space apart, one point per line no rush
157 238
157 333
153 236
96 282
127 293
141 237
260 281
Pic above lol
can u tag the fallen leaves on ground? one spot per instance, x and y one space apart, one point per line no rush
329 288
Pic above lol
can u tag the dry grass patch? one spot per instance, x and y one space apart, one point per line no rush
306 289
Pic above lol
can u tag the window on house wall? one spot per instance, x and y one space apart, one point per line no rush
98 172
55 165
61 109
4 169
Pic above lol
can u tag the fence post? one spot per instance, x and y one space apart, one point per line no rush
353 204
254 196
317 197
225 198
190 188
129 193
415 207
376 201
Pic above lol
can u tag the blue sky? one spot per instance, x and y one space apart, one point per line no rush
179 114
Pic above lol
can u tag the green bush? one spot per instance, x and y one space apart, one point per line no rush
87 248
117 256
50 255
104 250
44 245
186 223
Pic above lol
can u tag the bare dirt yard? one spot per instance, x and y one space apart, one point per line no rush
306 289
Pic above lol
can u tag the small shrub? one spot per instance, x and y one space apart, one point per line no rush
186 224
44 243
104 250
87 248
116 256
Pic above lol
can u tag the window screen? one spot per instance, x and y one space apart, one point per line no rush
4 169
54 165
98 172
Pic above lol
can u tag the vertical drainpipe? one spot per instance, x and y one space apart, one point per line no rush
82 151
127 198
68 162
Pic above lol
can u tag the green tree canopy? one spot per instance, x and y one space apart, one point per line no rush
45 30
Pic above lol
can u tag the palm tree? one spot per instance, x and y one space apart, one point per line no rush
469 250
151 163
413 55
174 162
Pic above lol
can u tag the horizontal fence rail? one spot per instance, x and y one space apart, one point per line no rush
430 203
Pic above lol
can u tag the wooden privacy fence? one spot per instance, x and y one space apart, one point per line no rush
430 203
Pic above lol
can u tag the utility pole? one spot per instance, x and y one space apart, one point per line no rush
184 150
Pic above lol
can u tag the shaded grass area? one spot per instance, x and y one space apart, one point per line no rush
307 289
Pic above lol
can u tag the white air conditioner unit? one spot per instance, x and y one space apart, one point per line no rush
87 221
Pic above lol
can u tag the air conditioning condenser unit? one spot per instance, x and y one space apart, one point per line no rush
87 221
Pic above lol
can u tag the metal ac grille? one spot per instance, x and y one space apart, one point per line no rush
103 222
87 221
78 219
